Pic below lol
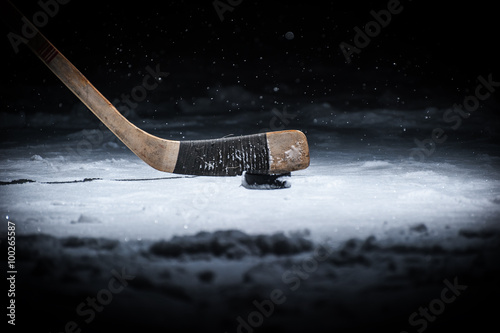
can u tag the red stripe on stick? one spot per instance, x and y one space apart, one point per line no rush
51 55
47 52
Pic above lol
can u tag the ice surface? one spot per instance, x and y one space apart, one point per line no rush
205 247
358 184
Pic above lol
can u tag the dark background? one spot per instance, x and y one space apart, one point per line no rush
429 55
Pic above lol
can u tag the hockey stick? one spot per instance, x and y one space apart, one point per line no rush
265 153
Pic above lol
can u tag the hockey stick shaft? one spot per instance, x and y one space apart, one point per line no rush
272 152
160 154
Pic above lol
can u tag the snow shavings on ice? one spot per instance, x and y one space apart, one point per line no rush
231 244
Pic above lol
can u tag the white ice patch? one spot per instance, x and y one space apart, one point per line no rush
376 165
293 153
86 219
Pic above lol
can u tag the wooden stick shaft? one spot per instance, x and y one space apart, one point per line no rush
159 153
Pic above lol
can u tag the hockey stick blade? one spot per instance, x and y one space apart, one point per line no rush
271 152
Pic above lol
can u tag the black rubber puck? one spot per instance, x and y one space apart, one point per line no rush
256 181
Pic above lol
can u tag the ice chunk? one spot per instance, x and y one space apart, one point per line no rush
36 158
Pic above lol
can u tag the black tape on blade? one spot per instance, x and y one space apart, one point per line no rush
223 157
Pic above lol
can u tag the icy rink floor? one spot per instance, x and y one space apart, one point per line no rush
352 192
201 252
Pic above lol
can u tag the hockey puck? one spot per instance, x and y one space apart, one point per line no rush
256 181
